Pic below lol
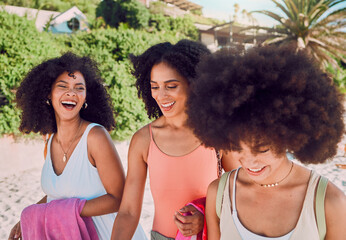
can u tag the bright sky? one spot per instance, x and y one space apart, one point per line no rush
223 9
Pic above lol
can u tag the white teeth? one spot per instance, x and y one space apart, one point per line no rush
255 169
167 105
69 102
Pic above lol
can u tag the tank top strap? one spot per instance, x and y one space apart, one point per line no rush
151 133
310 192
89 127
233 190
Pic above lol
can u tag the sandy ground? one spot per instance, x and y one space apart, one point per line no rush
21 162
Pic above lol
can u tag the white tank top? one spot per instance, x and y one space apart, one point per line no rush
232 228
79 179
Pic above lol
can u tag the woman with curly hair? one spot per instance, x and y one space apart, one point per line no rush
257 106
180 169
65 97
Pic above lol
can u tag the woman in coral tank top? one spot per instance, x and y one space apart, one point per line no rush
180 168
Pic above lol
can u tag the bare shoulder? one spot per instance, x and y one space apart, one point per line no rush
98 132
214 185
335 210
335 197
141 137
140 141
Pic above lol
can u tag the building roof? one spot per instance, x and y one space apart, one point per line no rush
67 15
184 4
42 16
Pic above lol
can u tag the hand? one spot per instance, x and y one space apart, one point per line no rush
15 232
191 224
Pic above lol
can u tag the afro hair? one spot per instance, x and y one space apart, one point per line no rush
32 94
272 95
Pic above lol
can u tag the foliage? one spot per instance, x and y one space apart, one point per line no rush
132 12
22 47
181 26
339 76
311 24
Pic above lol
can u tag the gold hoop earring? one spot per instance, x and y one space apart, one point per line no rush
85 105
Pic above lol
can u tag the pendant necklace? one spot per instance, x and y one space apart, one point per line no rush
65 153
277 183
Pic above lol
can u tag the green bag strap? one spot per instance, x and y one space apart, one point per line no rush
319 204
220 190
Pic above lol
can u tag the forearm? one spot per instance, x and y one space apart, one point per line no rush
101 205
124 226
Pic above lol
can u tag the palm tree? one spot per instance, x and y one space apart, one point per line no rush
311 25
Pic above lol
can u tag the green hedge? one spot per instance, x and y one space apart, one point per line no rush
22 47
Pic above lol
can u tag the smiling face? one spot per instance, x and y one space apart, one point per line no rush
68 95
169 89
260 163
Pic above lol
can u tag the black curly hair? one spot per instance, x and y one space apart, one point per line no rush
32 94
271 95
183 56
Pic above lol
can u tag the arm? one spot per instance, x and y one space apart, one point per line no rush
228 162
131 205
213 222
104 156
16 231
335 210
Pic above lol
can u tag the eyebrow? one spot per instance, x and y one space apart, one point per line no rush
168 81
263 144
67 82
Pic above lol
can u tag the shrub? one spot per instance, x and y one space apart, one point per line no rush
22 47
132 12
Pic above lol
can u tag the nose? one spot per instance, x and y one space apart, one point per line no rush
70 92
247 158
162 93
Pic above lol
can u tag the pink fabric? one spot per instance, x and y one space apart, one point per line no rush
199 204
58 219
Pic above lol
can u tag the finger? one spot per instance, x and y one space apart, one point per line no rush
183 219
182 226
185 229
188 233
190 208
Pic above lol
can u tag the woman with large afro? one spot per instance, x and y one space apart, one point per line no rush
65 97
180 169
257 106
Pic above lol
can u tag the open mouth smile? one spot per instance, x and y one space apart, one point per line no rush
69 104
255 171
167 106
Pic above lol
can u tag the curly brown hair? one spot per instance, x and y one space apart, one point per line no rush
32 94
183 57
271 95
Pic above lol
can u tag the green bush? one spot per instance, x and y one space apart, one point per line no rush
131 12
22 47
180 26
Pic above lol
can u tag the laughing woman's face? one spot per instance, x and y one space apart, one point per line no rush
68 95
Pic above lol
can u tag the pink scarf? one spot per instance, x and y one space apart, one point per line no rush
58 219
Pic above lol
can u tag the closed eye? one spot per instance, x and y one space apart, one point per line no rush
263 151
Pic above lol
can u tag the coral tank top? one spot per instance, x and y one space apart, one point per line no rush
176 181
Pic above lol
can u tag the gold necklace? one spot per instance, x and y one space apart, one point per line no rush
64 158
277 183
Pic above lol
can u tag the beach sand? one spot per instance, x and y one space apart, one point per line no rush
21 162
